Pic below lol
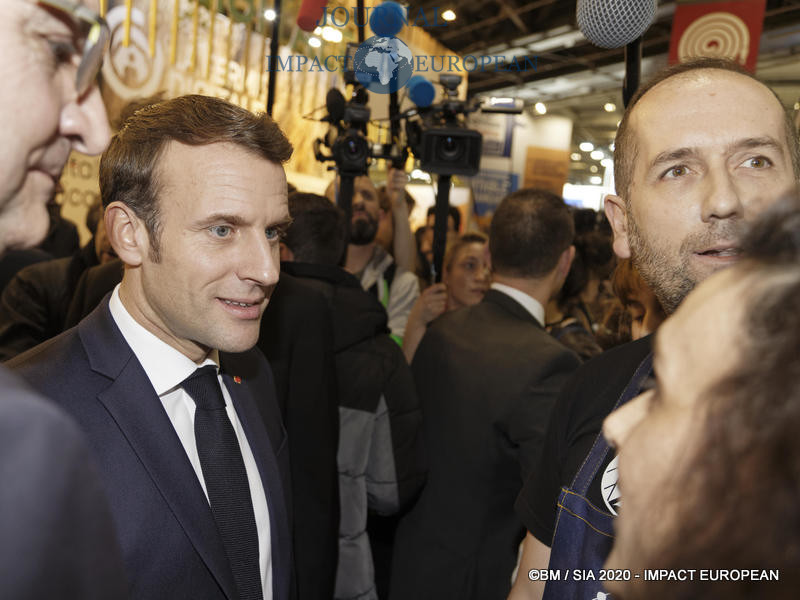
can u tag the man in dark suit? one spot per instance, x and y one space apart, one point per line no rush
56 535
487 377
297 339
162 377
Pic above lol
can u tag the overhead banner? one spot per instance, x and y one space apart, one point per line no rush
717 30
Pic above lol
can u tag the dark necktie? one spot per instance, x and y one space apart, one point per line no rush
226 480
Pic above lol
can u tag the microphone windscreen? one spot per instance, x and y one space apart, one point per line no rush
387 19
614 23
334 103
310 14
421 91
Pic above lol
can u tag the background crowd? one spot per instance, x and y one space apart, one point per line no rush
235 390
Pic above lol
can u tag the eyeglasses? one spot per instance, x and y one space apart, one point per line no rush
97 38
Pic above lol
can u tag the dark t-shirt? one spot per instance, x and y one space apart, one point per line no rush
577 418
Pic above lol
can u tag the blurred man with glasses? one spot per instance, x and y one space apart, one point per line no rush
56 535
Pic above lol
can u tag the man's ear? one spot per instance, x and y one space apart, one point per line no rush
286 253
617 216
127 234
565 262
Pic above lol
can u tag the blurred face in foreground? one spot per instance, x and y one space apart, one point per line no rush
42 115
657 433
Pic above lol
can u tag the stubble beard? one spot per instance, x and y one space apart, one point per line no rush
670 283
671 280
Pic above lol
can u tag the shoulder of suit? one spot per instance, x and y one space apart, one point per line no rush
24 411
50 352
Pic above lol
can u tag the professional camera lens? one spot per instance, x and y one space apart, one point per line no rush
450 148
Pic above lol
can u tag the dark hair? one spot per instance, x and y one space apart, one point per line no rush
452 211
93 216
625 143
586 220
318 233
128 168
593 256
530 230
744 478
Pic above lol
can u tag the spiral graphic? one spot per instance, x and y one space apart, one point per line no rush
716 35
131 72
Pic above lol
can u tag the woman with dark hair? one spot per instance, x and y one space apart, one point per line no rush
568 318
465 280
709 458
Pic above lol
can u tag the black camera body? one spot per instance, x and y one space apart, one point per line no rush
440 138
351 153
449 150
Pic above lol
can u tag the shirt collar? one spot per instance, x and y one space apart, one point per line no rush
165 367
531 304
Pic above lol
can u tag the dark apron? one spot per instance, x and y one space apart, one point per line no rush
584 533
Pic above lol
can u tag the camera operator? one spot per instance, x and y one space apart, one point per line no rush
395 287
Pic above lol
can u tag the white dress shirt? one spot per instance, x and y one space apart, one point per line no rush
166 368
531 304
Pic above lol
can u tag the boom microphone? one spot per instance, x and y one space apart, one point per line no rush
334 104
420 91
617 23
614 23
387 19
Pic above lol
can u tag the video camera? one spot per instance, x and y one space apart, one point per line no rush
440 139
347 140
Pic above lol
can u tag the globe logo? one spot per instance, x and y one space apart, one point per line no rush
383 64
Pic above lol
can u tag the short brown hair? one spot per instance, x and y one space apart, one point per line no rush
128 171
529 231
625 142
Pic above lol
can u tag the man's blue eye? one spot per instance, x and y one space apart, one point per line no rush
220 230
273 233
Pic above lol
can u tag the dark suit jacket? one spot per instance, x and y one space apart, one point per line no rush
487 377
34 305
297 339
57 539
169 540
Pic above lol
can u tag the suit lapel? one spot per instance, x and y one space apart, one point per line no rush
265 449
140 416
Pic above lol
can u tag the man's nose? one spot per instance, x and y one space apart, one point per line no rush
84 121
260 263
618 426
722 197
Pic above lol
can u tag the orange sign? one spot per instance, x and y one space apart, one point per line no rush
717 30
